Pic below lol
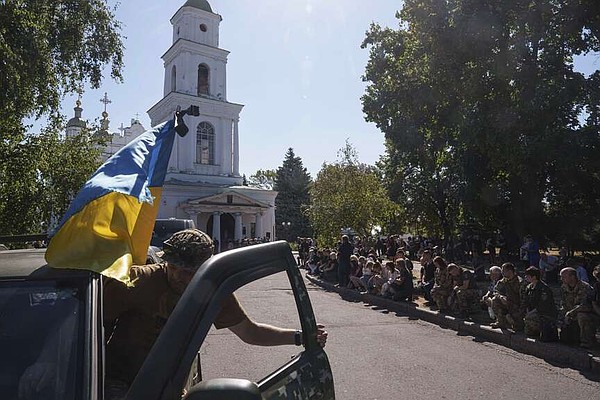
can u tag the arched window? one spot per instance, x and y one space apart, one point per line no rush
203 79
173 79
205 144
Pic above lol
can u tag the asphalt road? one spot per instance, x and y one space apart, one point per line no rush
375 354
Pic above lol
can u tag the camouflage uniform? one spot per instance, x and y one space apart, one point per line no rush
442 289
511 289
580 295
188 248
466 298
539 307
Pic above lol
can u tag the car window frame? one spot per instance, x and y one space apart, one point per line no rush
89 324
176 347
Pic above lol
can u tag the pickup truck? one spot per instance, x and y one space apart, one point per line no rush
37 301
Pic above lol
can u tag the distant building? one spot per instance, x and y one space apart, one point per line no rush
115 140
125 135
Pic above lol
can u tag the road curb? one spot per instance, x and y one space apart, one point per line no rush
554 352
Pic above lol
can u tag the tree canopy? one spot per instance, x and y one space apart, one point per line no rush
292 182
347 194
263 179
49 49
486 120
34 195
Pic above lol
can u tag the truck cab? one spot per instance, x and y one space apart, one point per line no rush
41 305
165 227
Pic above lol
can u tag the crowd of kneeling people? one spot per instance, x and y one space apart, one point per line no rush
512 302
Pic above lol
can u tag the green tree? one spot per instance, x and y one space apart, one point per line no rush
263 179
479 101
292 182
347 194
34 194
49 49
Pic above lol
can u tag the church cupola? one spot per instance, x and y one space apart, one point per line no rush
75 124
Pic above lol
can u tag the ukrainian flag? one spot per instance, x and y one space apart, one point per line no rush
109 224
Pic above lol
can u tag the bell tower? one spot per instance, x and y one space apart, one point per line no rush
195 74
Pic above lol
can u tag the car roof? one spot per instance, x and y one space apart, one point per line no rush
30 263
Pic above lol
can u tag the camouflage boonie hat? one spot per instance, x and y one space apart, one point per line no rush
188 248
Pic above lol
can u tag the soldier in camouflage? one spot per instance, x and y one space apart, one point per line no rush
538 303
465 289
506 302
442 288
576 299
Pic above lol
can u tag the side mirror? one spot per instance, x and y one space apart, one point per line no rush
224 388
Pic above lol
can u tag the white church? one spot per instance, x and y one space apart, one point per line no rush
203 181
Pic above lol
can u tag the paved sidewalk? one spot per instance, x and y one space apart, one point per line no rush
556 353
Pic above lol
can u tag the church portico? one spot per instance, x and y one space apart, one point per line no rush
232 216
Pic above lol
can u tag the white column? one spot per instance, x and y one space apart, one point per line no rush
237 235
225 146
236 149
216 231
189 78
259 226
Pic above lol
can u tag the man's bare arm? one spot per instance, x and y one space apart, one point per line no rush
268 335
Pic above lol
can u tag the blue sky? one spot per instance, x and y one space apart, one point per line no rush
295 65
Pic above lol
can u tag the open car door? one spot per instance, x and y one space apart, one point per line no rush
166 369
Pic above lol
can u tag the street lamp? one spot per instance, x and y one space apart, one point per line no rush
285 226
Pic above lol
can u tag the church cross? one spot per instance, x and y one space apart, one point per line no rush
105 100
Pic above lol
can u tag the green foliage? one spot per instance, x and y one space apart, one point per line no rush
292 182
32 194
347 194
482 113
263 179
49 49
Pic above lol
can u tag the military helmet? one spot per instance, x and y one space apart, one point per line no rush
189 248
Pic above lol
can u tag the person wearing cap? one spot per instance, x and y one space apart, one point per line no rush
135 315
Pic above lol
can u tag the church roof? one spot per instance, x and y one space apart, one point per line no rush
200 4
76 122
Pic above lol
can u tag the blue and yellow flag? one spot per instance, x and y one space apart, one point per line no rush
109 224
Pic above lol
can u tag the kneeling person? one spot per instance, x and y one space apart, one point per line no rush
538 306
465 289
579 320
506 302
